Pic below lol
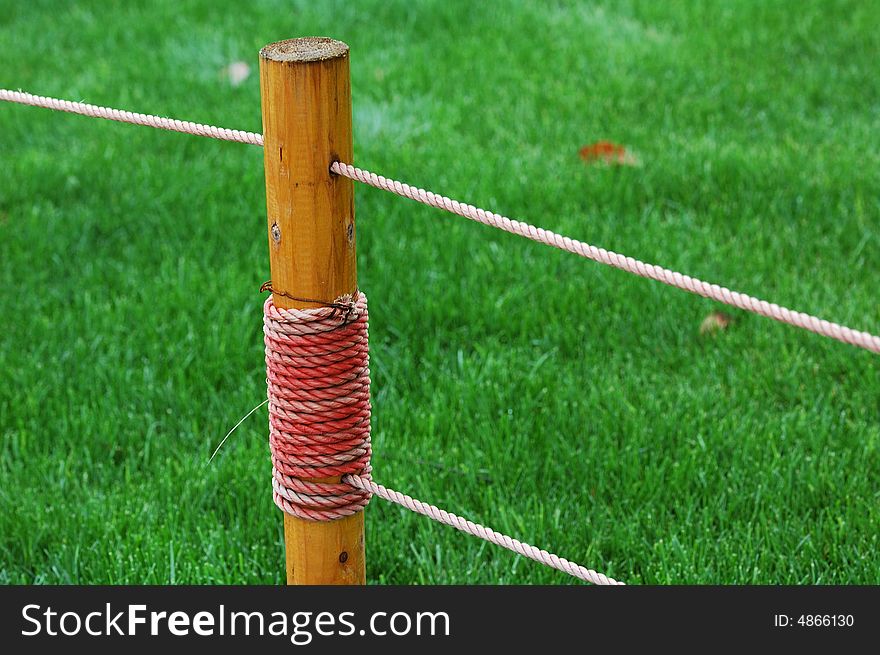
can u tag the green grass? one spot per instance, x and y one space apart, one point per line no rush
568 404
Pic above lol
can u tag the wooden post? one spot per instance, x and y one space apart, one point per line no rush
306 98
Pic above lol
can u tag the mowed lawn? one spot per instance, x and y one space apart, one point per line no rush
568 404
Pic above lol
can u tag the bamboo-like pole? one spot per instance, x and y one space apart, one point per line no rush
306 98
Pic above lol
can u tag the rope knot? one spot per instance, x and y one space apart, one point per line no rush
317 363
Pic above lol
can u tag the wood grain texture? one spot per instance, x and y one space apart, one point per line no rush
306 99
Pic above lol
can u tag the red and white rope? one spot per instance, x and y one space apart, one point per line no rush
148 120
318 377
480 531
685 282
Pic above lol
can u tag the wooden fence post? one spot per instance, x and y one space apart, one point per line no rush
306 100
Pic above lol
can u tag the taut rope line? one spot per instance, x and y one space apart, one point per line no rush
624 263
121 116
481 531
715 292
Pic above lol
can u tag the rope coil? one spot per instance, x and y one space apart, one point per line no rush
318 377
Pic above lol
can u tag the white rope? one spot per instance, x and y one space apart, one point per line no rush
685 282
716 292
149 120
480 531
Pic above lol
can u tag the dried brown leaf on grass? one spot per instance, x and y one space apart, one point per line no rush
608 153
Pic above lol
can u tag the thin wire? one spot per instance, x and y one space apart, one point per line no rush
340 306
95 111
480 531
685 282
234 428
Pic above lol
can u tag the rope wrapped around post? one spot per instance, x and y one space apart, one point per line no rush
318 376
